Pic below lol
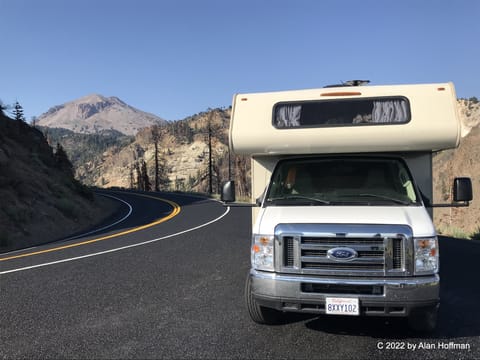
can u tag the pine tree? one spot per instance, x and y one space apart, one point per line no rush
163 179
3 107
18 112
132 180
62 161
147 186
139 177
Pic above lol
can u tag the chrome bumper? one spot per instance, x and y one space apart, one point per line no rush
390 297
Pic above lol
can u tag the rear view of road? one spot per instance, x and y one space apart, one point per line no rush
171 286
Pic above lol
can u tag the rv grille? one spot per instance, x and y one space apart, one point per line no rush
397 262
288 253
374 255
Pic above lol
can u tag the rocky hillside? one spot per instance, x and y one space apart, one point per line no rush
94 113
41 201
183 156
463 161
469 110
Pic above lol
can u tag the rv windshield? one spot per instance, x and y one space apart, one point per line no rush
342 181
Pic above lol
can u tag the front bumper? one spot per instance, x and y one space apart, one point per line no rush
377 297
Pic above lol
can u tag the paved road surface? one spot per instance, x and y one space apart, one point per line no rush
171 286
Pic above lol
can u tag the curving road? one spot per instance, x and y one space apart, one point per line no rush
167 282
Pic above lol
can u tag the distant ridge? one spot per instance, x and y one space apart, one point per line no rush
93 113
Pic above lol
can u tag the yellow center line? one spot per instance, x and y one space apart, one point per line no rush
175 212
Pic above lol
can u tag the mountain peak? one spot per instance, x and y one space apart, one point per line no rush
93 113
91 98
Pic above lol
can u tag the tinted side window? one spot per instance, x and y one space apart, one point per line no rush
352 112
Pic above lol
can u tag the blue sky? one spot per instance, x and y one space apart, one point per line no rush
176 58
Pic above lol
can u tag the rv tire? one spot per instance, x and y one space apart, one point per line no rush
258 313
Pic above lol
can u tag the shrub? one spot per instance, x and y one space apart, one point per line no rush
454 232
4 241
475 235
18 214
66 207
82 190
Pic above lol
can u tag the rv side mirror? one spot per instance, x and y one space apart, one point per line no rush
462 189
228 191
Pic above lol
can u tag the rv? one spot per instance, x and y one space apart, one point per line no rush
342 199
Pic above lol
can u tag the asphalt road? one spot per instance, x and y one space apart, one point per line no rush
171 286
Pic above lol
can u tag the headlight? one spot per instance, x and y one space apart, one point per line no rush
426 256
262 252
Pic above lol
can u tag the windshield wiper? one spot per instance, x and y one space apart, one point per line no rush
299 197
397 201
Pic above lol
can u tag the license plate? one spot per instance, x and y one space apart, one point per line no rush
342 306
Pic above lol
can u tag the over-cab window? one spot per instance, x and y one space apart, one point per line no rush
351 112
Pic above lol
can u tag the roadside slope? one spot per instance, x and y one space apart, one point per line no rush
41 201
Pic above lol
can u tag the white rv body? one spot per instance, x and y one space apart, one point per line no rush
315 252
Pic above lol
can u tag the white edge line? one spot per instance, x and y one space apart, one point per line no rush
120 248
130 210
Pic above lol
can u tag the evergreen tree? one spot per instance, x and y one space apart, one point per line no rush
147 186
18 112
3 107
62 161
139 177
163 179
132 180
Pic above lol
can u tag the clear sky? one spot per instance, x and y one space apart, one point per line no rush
175 58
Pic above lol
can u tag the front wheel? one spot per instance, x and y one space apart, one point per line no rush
423 319
258 313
